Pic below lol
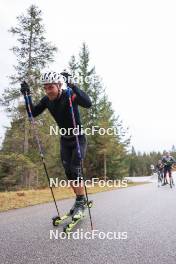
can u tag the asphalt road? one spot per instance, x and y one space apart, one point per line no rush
145 215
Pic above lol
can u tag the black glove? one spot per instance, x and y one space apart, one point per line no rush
68 79
25 88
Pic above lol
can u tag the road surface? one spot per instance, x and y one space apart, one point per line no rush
145 215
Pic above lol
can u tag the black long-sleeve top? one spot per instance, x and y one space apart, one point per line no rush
168 161
60 108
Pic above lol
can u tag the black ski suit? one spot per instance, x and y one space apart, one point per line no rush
168 162
60 110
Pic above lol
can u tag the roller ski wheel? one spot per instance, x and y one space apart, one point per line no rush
57 220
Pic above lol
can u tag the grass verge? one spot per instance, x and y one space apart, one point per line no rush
24 198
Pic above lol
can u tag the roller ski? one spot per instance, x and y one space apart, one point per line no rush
74 213
77 216
57 105
57 220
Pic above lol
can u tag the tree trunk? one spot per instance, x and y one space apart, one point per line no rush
26 142
25 148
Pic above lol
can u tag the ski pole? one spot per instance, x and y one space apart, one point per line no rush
32 121
79 154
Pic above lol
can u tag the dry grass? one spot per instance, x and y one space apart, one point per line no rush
24 198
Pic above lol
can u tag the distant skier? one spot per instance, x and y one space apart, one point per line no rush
167 161
160 171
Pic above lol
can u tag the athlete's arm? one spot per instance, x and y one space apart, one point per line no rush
38 108
81 98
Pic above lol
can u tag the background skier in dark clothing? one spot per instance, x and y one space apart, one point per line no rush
160 171
167 161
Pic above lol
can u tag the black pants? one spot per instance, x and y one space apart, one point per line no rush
167 170
70 158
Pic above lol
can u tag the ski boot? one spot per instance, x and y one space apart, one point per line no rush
79 209
78 214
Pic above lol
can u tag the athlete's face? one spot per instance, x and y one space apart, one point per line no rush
53 90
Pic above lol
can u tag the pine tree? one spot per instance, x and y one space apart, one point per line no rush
73 66
106 154
33 53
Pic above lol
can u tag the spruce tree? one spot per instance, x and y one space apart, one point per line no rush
106 154
33 52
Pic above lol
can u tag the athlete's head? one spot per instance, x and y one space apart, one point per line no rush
167 153
52 82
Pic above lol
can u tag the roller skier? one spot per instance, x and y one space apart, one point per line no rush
168 161
57 102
